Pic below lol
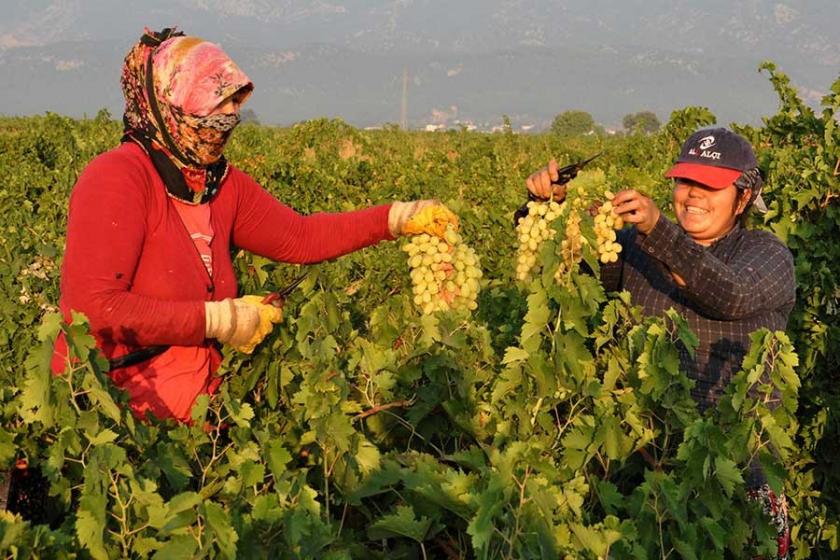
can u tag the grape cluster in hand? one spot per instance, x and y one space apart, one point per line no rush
445 272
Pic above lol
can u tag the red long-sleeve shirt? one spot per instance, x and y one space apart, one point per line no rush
132 268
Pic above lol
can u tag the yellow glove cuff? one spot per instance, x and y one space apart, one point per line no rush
432 219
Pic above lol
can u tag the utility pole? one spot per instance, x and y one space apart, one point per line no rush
404 109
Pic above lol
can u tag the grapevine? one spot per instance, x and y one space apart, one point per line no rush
355 429
534 229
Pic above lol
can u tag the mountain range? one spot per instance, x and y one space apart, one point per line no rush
471 60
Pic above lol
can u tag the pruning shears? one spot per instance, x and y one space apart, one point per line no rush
569 172
564 175
277 299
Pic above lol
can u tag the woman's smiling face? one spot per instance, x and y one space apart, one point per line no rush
707 214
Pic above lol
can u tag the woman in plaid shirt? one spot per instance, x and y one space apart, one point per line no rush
726 280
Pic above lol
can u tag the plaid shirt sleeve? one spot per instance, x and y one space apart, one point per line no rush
756 280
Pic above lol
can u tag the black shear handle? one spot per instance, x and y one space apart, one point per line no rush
569 172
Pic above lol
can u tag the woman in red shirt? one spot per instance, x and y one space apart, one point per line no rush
151 224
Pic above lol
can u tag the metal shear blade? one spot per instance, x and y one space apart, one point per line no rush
280 297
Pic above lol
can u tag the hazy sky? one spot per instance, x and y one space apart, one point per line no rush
469 59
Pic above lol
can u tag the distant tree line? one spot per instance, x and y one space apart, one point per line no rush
580 123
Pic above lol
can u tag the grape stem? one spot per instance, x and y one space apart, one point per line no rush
381 407
649 459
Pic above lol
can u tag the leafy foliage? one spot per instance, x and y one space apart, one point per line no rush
553 422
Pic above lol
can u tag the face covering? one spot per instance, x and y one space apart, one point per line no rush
172 86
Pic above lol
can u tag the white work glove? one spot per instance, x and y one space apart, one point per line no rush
242 322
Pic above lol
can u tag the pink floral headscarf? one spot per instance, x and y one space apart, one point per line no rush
170 104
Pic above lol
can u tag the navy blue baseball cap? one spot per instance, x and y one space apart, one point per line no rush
714 157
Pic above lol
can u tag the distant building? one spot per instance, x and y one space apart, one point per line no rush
467 125
435 127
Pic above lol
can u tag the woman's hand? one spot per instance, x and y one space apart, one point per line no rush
420 216
242 322
636 208
540 184
270 315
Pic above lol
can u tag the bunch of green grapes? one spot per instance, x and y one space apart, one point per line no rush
531 233
445 273
606 224
571 247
